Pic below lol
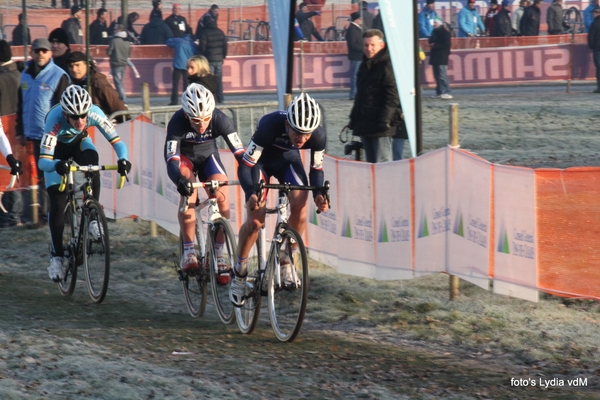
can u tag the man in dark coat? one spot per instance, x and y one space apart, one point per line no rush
367 16
73 26
594 44
502 22
99 28
376 111
61 50
213 46
306 25
530 21
178 23
17 33
155 32
354 41
103 94
438 58
211 14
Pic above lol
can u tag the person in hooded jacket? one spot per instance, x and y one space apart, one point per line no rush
185 47
155 32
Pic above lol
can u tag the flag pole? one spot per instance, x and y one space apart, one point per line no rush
290 56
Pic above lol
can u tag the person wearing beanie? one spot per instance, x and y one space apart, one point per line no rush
438 58
426 17
60 47
72 26
17 33
354 40
102 92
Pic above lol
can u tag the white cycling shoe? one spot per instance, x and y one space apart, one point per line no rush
55 270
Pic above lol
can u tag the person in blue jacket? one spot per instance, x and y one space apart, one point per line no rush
426 18
185 48
588 14
469 20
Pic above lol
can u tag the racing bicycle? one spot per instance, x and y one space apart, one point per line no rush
286 287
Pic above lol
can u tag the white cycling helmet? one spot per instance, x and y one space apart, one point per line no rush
197 101
304 114
75 100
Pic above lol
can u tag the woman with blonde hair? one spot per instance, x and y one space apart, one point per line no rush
199 72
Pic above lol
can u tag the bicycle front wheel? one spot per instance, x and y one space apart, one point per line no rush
247 315
220 280
67 285
288 286
96 251
194 285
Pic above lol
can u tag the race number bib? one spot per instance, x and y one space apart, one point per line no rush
235 141
48 143
318 159
253 152
171 148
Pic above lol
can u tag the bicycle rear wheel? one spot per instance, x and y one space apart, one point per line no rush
220 289
67 285
247 315
288 292
96 252
194 285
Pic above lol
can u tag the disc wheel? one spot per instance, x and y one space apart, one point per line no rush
247 315
96 252
195 287
67 285
288 291
221 280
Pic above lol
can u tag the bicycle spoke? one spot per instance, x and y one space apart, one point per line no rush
96 252
247 315
67 285
221 280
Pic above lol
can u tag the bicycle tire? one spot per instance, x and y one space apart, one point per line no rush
331 34
195 287
67 285
287 301
96 252
221 292
247 315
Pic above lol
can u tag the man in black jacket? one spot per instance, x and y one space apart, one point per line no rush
594 44
438 58
530 21
99 28
17 33
355 48
155 32
60 48
213 46
178 23
306 25
376 111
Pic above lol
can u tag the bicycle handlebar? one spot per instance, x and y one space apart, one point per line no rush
287 187
92 168
13 178
211 185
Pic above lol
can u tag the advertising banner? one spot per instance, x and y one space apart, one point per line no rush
515 247
469 199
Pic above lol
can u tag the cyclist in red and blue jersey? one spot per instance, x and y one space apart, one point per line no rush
274 150
190 150
65 136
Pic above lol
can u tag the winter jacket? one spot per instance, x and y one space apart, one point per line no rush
516 20
73 28
17 36
307 26
354 40
213 43
468 22
376 110
155 32
103 93
554 18
184 49
440 46
594 35
208 81
9 87
36 96
119 50
489 22
588 16
99 33
176 23
426 17
208 16
502 23
530 22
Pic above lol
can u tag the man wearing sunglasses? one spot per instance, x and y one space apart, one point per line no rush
65 137
40 87
190 150
274 151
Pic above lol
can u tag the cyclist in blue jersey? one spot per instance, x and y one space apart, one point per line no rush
190 150
65 137
274 151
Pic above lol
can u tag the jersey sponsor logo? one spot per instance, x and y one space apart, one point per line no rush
171 148
235 141
48 142
318 159
107 125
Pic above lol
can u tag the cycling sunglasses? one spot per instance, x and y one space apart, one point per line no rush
198 120
77 117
